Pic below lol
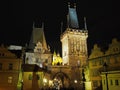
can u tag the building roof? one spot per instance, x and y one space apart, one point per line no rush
72 18
37 36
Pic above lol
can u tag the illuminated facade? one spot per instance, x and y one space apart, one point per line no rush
112 81
74 41
37 60
10 67
42 69
97 59
57 60
65 72
74 47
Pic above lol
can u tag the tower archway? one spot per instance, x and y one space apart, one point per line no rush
61 80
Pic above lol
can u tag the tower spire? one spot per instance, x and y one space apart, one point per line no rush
38 36
43 25
61 27
33 24
75 5
72 19
68 4
85 23
68 15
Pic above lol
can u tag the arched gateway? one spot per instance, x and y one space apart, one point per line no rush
66 71
61 80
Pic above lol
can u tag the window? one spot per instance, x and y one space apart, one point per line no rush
10 66
30 77
10 79
116 82
115 58
3 54
94 63
64 53
0 66
37 60
111 82
38 77
95 72
46 60
104 82
95 83
100 61
108 59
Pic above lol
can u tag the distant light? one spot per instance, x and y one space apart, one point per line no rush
14 47
44 80
75 81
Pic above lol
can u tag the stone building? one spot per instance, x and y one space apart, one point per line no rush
62 72
37 59
105 63
10 67
74 70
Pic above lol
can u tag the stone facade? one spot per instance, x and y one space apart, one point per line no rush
65 72
98 58
10 67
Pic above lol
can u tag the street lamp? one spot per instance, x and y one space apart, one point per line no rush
83 75
83 78
105 69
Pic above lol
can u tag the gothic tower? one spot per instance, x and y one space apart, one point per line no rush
38 36
74 41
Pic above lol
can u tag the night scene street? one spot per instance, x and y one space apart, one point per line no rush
60 45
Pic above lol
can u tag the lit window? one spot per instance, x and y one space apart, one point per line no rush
10 79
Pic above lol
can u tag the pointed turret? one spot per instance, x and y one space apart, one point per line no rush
85 24
38 36
72 18
74 40
61 27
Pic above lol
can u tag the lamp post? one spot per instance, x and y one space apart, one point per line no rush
83 75
45 82
105 69
83 78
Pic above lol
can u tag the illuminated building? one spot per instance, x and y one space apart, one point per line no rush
110 80
42 69
65 72
10 67
57 60
97 61
74 47
37 60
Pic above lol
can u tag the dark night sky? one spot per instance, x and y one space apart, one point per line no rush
18 17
